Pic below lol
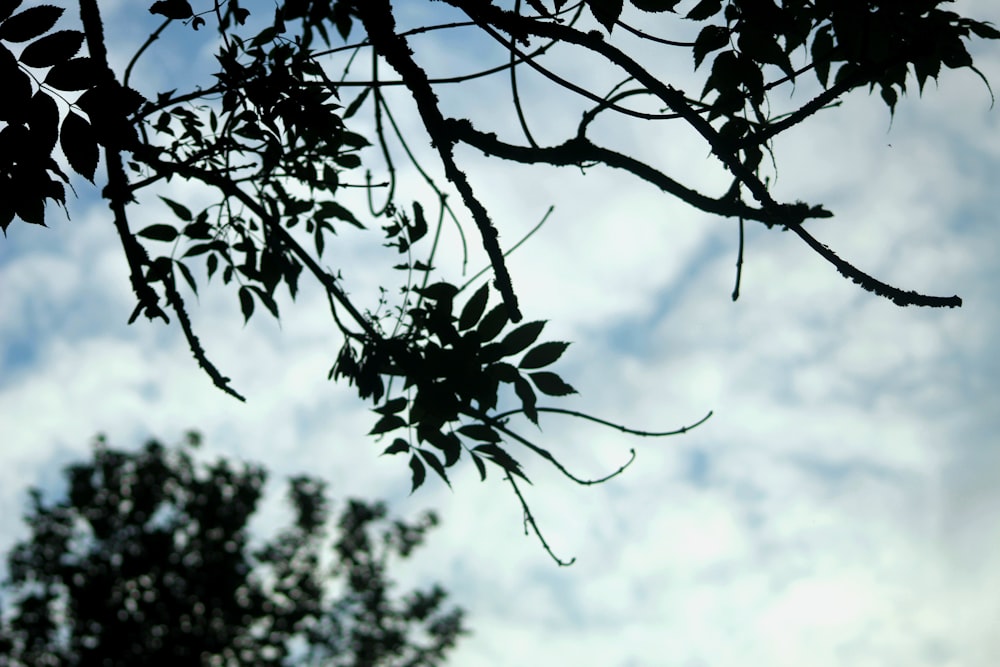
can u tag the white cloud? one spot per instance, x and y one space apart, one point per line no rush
839 509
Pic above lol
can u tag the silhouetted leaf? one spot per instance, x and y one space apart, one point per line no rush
480 432
821 51
551 384
387 423
172 9
491 352
711 38
956 56
984 29
392 407
159 232
474 308
246 303
202 248
501 457
398 446
342 19
331 209
43 121
890 97
438 291
417 473
704 9
8 7
30 23
52 49
492 324
448 443
348 160
198 230
17 89
30 204
480 466
435 464
17 96
267 300
418 229
655 5
606 11
762 46
6 215
353 107
188 278
543 355
850 74
926 68
521 337
181 211
79 145
75 74
503 372
528 398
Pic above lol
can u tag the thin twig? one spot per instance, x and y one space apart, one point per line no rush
376 15
739 265
529 519
617 427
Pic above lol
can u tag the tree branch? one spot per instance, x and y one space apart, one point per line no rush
579 150
376 15
117 192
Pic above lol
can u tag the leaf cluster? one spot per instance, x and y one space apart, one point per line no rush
453 369
38 113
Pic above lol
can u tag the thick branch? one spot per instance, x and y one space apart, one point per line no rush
894 294
117 192
177 303
579 150
376 15
787 215
515 25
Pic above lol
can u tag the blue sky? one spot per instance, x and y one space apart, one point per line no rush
841 508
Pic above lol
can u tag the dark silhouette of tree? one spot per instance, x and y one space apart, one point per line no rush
147 560
269 133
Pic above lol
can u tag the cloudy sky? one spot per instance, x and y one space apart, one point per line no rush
840 508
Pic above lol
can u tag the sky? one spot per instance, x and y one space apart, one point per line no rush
840 507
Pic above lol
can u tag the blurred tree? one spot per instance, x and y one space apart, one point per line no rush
147 561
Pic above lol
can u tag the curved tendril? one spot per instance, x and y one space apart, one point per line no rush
515 93
545 454
521 59
607 102
739 264
604 422
563 83
145 45
511 249
652 38
177 303
529 520
379 103
430 182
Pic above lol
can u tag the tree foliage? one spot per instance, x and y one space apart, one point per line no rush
270 134
147 560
